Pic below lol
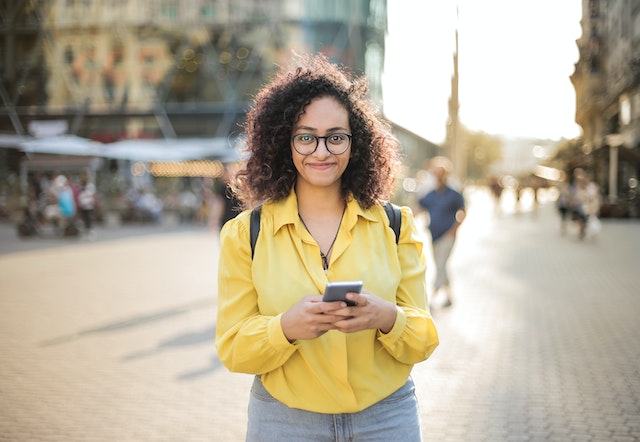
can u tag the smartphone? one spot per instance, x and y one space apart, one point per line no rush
337 291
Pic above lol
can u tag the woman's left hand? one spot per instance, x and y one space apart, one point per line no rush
371 312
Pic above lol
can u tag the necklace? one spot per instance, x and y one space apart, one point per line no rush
325 256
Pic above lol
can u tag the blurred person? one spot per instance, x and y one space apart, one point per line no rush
32 218
205 211
146 206
518 194
188 203
446 209
227 204
5 212
61 207
495 187
563 205
87 202
42 184
63 195
584 202
320 162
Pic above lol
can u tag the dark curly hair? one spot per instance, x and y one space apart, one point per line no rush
269 172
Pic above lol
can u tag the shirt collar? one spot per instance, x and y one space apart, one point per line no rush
285 212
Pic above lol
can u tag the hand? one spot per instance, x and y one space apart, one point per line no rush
371 312
310 318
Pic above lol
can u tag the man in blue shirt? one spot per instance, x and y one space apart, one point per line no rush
445 206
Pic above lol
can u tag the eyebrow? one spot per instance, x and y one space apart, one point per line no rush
313 129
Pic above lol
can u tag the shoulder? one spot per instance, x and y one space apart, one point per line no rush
454 193
409 232
236 230
427 197
408 229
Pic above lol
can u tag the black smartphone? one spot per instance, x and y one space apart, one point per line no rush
337 291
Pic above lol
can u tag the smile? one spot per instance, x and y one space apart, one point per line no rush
320 166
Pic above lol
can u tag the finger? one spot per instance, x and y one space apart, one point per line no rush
357 298
348 325
329 307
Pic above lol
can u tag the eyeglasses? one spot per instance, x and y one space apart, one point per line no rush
337 143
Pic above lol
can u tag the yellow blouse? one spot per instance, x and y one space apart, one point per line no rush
336 372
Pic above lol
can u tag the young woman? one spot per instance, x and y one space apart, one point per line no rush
321 161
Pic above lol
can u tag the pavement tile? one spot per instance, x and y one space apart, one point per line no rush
113 339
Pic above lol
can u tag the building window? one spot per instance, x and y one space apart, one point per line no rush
169 11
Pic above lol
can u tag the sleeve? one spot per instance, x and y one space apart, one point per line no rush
424 202
414 336
246 341
461 202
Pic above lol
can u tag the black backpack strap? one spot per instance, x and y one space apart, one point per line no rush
254 228
395 218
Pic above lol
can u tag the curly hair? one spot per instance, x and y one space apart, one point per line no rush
269 172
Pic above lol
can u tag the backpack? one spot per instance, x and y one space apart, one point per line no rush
393 213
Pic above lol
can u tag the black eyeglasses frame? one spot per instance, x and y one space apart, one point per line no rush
325 138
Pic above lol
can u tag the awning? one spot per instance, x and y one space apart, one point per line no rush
171 150
163 150
62 145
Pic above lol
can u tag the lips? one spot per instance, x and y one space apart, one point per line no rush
320 166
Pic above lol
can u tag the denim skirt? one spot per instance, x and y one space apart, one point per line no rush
394 418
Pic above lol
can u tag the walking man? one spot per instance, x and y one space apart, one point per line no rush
446 209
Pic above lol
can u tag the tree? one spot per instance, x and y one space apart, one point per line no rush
483 150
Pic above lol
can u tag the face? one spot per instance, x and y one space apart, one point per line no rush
323 116
440 174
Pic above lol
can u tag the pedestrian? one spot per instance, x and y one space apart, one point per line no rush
227 204
446 209
320 162
496 193
87 203
62 212
563 205
585 203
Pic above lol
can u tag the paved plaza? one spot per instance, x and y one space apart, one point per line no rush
113 339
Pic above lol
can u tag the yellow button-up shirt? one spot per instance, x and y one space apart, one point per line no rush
336 372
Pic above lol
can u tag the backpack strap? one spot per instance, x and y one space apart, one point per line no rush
393 213
254 228
395 218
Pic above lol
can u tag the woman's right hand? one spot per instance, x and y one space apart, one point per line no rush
310 318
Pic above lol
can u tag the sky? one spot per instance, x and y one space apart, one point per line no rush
515 59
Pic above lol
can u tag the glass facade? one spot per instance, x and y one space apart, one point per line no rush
126 69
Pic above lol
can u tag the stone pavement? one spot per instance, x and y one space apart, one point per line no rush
112 340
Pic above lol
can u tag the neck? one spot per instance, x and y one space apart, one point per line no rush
317 201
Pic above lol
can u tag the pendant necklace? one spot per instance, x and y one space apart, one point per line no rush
325 256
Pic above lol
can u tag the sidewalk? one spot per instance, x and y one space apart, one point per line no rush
114 340
542 341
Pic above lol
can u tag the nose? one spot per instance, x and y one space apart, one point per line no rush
325 150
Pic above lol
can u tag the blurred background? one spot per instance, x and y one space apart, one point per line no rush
148 98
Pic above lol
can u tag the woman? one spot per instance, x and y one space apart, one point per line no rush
320 162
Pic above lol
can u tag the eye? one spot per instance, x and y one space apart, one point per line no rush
304 138
337 138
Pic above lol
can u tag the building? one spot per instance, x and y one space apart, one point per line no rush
606 81
416 152
171 74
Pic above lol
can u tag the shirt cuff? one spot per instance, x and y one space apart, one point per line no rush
396 332
276 336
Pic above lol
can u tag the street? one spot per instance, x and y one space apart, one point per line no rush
113 339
